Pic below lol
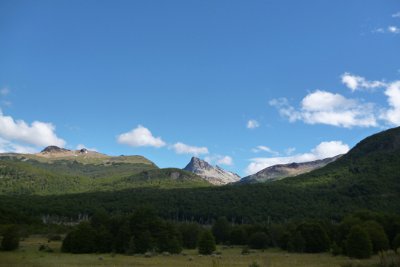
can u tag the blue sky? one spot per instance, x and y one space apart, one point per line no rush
244 84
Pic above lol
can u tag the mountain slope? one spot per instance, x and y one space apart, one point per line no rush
60 171
215 175
281 171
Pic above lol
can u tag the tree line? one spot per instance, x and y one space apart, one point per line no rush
358 235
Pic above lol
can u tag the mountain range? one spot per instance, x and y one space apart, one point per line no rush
367 177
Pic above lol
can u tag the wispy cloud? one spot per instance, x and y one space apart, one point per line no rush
354 82
252 124
181 148
265 149
219 160
396 15
393 29
4 91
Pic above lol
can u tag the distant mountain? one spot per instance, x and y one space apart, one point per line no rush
215 175
58 170
281 171
84 156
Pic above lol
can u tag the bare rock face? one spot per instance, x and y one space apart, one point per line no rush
215 175
281 171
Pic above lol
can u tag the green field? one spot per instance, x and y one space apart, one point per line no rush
29 255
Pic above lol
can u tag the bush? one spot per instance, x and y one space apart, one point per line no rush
358 244
81 240
190 234
258 240
315 237
377 235
336 250
10 239
207 243
238 236
296 243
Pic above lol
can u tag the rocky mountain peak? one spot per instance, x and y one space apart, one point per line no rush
215 175
54 149
196 163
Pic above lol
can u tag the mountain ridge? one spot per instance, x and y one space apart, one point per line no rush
281 171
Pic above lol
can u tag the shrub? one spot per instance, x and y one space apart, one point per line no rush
296 243
190 234
377 235
358 243
238 236
207 243
10 239
315 237
258 240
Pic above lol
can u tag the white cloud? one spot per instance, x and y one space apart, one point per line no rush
322 107
285 109
354 82
393 29
219 159
37 134
82 146
5 91
392 115
140 136
181 148
252 124
396 15
321 151
265 149
7 146
225 160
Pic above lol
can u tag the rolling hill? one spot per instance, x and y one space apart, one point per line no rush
60 171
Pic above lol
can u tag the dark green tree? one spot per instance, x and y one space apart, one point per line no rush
144 242
81 240
377 235
122 237
238 236
258 240
221 229
296 243
10 238
315 237
168 239
190 233
206 243
358 243
103 240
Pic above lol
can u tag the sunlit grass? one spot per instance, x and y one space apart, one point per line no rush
29 255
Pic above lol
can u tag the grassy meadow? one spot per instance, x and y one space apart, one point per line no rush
29 255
